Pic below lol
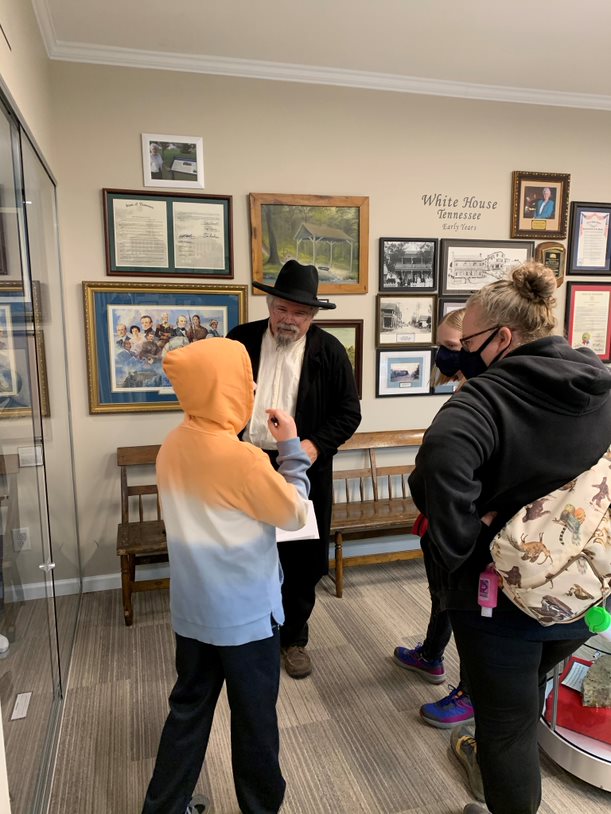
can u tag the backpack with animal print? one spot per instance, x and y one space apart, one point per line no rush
554 555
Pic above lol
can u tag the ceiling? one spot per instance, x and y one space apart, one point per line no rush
510 50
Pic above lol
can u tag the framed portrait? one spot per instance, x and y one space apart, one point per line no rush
162 235
590 238
22 350
350 334
468 265
405 319
329 232
173 161
588 317
403 372
539 204
408 264
130 327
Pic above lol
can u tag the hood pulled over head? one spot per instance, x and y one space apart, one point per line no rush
213 382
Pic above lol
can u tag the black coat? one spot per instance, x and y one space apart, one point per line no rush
327 412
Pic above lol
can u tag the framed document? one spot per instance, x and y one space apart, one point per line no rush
588 317
590 238
162 235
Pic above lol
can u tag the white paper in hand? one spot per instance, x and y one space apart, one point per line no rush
307 532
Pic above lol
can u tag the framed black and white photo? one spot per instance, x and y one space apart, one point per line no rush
173 161
403 372
590 238
405 319
468 265
408 264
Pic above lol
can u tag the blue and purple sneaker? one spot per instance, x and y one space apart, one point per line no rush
454 709
431 670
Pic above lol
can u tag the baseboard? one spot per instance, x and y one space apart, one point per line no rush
109 582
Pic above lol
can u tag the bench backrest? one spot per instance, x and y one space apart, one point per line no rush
128 457
372 481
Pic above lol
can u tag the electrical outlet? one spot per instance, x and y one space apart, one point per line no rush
21 540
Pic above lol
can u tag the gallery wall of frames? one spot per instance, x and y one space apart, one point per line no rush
167 236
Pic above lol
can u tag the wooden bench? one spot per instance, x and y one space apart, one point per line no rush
372 501
139 541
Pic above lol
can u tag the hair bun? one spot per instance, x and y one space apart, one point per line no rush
535 282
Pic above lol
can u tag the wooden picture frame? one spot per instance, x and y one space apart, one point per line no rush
22 350
124 370
539 204
405 319
589 239
328 231
173 161
408 264
158 234
403 372
553 256
465 266
350 333
588 316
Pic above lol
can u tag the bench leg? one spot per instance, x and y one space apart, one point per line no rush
127 568
339 565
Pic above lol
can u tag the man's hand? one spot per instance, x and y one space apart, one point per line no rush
310 450
281 424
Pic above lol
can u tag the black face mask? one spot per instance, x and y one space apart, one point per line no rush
471 363
447 361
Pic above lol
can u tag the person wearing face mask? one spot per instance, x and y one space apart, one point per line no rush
534 414
426 658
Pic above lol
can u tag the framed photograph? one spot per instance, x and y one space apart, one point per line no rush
21 342
403 372
350 334
167 235
405 319
408 264
590 238
329 232
446 305
130 327
173 161
588 317
539 204
468 265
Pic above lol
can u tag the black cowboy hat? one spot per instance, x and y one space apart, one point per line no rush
296 283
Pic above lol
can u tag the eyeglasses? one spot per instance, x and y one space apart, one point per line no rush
464 340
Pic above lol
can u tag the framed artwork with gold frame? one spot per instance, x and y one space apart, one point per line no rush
129 328
539 204
330 232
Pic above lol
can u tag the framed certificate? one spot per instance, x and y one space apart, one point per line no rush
588 317
590 239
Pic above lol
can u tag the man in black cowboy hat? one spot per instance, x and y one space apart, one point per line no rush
304 370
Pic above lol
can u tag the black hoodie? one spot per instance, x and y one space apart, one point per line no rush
529 424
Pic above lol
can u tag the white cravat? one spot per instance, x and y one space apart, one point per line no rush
277 386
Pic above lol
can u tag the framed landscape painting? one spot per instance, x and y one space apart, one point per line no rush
130 327
350 334
329 232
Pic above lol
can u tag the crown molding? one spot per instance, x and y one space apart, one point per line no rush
45 24
287 72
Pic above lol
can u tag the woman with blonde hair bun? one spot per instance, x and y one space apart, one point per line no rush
533 414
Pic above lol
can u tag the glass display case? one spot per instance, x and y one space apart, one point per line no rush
576 737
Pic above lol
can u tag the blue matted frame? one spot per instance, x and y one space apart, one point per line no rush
120 381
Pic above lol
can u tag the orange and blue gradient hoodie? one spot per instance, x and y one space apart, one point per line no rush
222 498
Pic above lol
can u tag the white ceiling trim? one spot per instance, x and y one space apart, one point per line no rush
286 72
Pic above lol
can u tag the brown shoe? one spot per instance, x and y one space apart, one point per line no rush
296 661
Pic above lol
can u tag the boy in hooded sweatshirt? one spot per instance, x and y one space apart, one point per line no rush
221 500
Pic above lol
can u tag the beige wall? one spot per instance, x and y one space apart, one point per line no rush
276 137
24 69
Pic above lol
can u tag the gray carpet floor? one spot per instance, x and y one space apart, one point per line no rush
351 737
